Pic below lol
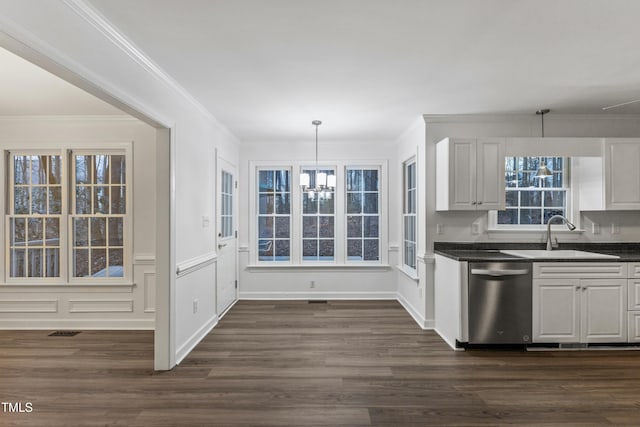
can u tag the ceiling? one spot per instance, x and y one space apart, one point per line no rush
28 90
369 68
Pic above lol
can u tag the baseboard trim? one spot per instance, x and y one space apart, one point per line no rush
79 324
449 343
191 343
317 295
419 319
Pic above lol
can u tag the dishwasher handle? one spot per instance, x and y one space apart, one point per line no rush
498 273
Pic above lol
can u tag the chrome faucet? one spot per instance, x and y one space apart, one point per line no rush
564 219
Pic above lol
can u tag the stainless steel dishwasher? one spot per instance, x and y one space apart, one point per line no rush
499 303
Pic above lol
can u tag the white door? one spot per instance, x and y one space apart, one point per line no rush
226 270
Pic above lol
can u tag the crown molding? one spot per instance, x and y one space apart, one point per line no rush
70 118
457 118
89 14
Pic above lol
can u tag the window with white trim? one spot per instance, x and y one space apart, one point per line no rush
274 214
363 214
38 215
98 214
35 215
531 200
339 226
409 214
318 220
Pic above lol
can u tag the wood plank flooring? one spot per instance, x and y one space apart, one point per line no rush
298 364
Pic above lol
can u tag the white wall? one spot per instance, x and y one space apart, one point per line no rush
36 306
412 290
68 39
330 282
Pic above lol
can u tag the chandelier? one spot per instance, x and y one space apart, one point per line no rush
324 184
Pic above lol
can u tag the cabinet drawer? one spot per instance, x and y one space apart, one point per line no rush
634 270
633 326
579 270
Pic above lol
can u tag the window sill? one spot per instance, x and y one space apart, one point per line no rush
319 267
67 287
411 274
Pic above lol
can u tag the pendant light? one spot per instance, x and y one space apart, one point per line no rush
324 183
543 171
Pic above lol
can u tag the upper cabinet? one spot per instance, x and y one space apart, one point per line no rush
470 174
622 174
610 182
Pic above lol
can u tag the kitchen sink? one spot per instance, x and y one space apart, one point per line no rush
557 254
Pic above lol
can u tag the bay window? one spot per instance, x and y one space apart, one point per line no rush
297 225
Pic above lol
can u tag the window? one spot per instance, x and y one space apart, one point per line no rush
318 221
226 218
35 215
38 215
99 211
409 211
274 215
342 226
363 214
531 201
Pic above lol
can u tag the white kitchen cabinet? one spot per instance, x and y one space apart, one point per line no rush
584 302
470 174
633 299
622 174
556 310
610 182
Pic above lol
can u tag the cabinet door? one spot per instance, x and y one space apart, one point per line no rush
633 294
490 185
604 310
622 174
462 174
633 319
556 310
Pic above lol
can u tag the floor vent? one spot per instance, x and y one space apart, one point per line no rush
64 333
317 301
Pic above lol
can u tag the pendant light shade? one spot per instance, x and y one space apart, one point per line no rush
304 179
543 171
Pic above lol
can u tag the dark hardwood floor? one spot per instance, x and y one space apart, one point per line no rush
298 364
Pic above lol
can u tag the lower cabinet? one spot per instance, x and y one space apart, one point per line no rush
633 319
579 310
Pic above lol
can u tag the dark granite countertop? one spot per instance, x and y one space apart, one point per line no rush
627 252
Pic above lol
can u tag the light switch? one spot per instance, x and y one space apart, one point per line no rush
595 228
439 228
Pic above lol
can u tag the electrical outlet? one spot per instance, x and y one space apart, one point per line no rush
195 306
439 228
475 228
615 228
312 284
205 222
595 228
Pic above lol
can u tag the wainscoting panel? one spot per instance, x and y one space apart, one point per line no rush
149 291
101 306
29 306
